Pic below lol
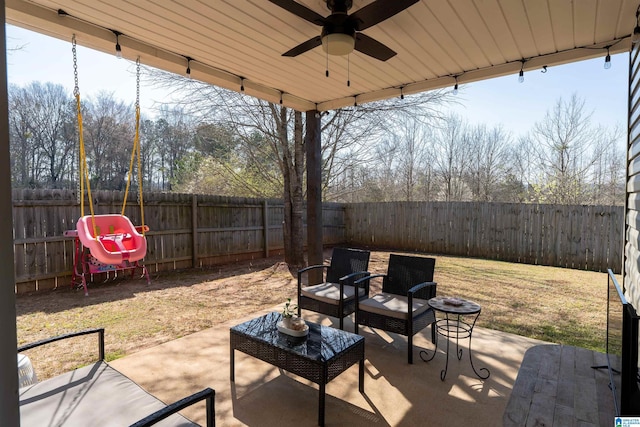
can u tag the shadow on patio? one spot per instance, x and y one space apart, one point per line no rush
395 393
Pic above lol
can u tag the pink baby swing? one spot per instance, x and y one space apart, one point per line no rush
107 243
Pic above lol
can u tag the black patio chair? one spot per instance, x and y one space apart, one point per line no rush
408 283
335 296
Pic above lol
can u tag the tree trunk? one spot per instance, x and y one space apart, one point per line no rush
297 199
293 167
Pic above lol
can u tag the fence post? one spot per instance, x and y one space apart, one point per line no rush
265 221
194 231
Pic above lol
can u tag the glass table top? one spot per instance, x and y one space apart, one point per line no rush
322 343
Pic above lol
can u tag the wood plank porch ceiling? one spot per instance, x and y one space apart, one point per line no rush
239 43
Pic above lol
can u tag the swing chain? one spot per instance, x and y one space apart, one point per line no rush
138 82
76 88
76 93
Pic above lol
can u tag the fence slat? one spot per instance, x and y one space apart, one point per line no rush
585 237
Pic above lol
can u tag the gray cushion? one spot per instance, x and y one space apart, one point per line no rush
330 292
95 395
393 305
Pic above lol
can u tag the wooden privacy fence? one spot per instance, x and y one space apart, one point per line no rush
580 237
197 230
185 231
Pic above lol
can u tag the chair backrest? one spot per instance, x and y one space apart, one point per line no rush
405 271
346 261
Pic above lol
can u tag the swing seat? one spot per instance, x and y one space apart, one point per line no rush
117 239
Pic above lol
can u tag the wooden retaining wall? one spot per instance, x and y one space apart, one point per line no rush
580 237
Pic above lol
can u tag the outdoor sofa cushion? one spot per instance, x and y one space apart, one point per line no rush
99 395
330 292
95 395
393 305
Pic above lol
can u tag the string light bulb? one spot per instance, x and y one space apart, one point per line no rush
401 92
607 60
188 72
242 84
118 47
521 74
455 87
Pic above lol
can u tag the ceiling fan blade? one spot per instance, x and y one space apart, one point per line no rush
372 47
303 47
378 11
300 10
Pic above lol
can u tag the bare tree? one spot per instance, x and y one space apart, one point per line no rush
566 146
347 135
109 127
487 150
609 177
174 132
346 132
279 131
384 186
412 144
452 158
293 171
50 113
24 156
150 146
428 177
387 135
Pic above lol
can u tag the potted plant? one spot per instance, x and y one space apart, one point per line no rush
288 313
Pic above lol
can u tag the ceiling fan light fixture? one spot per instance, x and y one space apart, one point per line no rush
338 43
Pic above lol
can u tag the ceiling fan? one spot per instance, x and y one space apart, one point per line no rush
341 32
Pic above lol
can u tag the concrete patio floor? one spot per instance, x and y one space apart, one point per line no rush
396 393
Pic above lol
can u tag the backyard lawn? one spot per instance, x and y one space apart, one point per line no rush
547 303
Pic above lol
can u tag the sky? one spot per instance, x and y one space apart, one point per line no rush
497 102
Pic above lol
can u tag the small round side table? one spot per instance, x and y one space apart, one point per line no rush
453 325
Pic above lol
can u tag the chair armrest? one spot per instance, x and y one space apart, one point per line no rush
421 286
349 280
367 278
365 282
168 410
350 277
99 331
302 270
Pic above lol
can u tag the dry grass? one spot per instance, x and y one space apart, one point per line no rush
551 304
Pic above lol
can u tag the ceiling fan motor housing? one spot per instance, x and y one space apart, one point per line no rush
339 5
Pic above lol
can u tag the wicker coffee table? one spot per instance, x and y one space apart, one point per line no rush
319 357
